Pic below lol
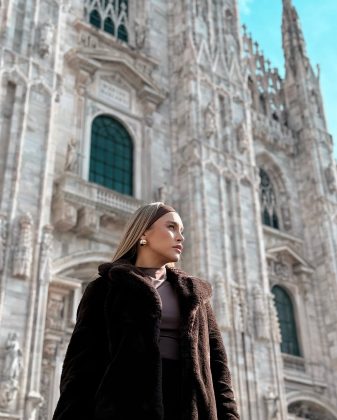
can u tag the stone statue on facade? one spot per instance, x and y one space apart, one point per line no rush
23 252
210 122
260 314
11 371
242 137
140 33
271 403
71 158
237 309
45 41
275 325
330 176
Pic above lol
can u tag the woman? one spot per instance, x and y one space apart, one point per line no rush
146 344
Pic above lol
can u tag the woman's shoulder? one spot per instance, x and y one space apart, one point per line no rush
197 281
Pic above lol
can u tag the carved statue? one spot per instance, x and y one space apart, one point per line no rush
46 246
71 158
242 137
271 403
275 325
164 193
260 314
330 177
11 371
210 122
140 33
46 38
23 254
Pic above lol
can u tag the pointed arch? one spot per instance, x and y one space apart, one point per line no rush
286 316
274 197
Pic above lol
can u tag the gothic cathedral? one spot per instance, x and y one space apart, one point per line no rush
105 105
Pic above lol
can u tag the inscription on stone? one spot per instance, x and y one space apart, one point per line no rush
114 94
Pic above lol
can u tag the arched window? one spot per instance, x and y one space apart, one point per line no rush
268 201
285 312
111 156
112 16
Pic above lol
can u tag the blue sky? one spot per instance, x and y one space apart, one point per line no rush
318 20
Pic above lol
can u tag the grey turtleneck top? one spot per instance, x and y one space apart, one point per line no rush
170 320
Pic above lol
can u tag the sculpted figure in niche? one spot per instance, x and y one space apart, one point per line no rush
71 158
22 259
46 38
242 137
271 403
11 371
140 33
330 176
210 123
260 314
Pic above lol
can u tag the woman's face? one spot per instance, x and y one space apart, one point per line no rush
164 239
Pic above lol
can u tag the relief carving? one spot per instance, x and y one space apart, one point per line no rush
23 254
242 137
11 370
237 309
330 177
71 157
55 312
46 35
209 121
261 321
220 302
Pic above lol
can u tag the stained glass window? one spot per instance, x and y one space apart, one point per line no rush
285 312
112 16
268 201
111 156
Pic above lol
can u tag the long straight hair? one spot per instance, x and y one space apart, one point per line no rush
136 226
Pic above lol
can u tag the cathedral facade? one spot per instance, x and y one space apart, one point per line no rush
187 110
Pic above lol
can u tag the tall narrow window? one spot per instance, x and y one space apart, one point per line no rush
112 16
268 201
285 312
111 157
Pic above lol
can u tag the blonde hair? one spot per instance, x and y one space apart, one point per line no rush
136 226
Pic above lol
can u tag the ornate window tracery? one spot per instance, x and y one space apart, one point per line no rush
111 156
112 16
268 201
285 312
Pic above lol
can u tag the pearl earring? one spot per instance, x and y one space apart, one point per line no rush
143 242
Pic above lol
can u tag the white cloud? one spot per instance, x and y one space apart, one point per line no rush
244 6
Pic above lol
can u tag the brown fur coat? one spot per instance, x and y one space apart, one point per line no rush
112 367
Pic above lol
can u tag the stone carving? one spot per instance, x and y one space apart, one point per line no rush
271 403
23 252
65 215
220 302
210 122
88 221
330 177
261 321
45 41
140 33
71 158
242 137
275 325
11 370
3 234
286 217
46 246
55 312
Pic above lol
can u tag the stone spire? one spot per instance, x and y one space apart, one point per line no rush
294 47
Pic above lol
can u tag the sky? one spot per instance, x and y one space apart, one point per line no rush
318 19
